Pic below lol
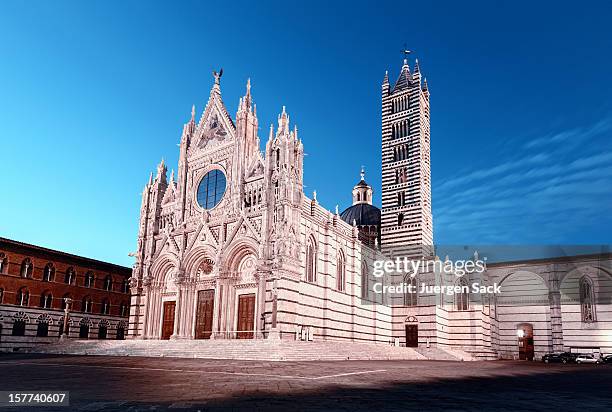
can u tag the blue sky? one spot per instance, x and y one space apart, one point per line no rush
93 94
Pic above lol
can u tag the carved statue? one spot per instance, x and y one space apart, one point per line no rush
217 76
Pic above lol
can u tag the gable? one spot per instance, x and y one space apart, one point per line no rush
215 128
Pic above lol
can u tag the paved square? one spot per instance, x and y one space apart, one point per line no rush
143 384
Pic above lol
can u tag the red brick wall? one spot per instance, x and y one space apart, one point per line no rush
11 280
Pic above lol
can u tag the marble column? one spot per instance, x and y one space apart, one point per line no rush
260 307
177 310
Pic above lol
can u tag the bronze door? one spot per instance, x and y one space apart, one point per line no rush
412 336
246 316
168 320
204 314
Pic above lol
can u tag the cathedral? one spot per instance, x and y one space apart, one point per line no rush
230 247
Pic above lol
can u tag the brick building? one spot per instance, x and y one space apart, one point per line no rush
34 282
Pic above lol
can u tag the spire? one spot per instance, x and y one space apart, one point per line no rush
416 66
386 79
271 132
404 79
193 112
283 123
362 174
425 88
172 176
161 170
247 100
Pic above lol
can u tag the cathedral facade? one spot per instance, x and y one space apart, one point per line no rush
231 247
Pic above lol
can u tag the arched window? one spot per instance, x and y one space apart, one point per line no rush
3 263
462 299
26 268
123 309
125 286
46 299
121 327
103 329
410 295
400 219
364 280
19 326
340 272
587 301
311 261
89 280
105 307
48 273
43 321
84 328
108 282
86 305
70 276
23 297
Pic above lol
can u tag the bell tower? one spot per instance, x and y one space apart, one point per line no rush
406 219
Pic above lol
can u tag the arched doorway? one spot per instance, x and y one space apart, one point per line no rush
84 325
412 332
242 262
524 333
205 303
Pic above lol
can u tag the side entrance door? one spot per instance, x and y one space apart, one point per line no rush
168 319
204 314
412 336
246 316
525 341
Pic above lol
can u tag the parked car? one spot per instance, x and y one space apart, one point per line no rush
569 357
587 358
607 359
553 357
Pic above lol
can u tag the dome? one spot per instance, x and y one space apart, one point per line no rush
363 213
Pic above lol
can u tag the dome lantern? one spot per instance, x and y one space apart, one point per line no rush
362 192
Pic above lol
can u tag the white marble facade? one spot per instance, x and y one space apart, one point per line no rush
254 244
256 258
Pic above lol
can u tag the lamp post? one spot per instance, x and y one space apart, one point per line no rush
68 302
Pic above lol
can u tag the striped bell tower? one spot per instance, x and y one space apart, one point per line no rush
406 220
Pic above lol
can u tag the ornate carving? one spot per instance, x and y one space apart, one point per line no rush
213 133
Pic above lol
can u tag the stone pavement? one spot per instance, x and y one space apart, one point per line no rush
145 384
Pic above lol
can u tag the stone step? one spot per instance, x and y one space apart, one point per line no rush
235 349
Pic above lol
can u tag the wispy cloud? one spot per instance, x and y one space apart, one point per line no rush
542 192
574 135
